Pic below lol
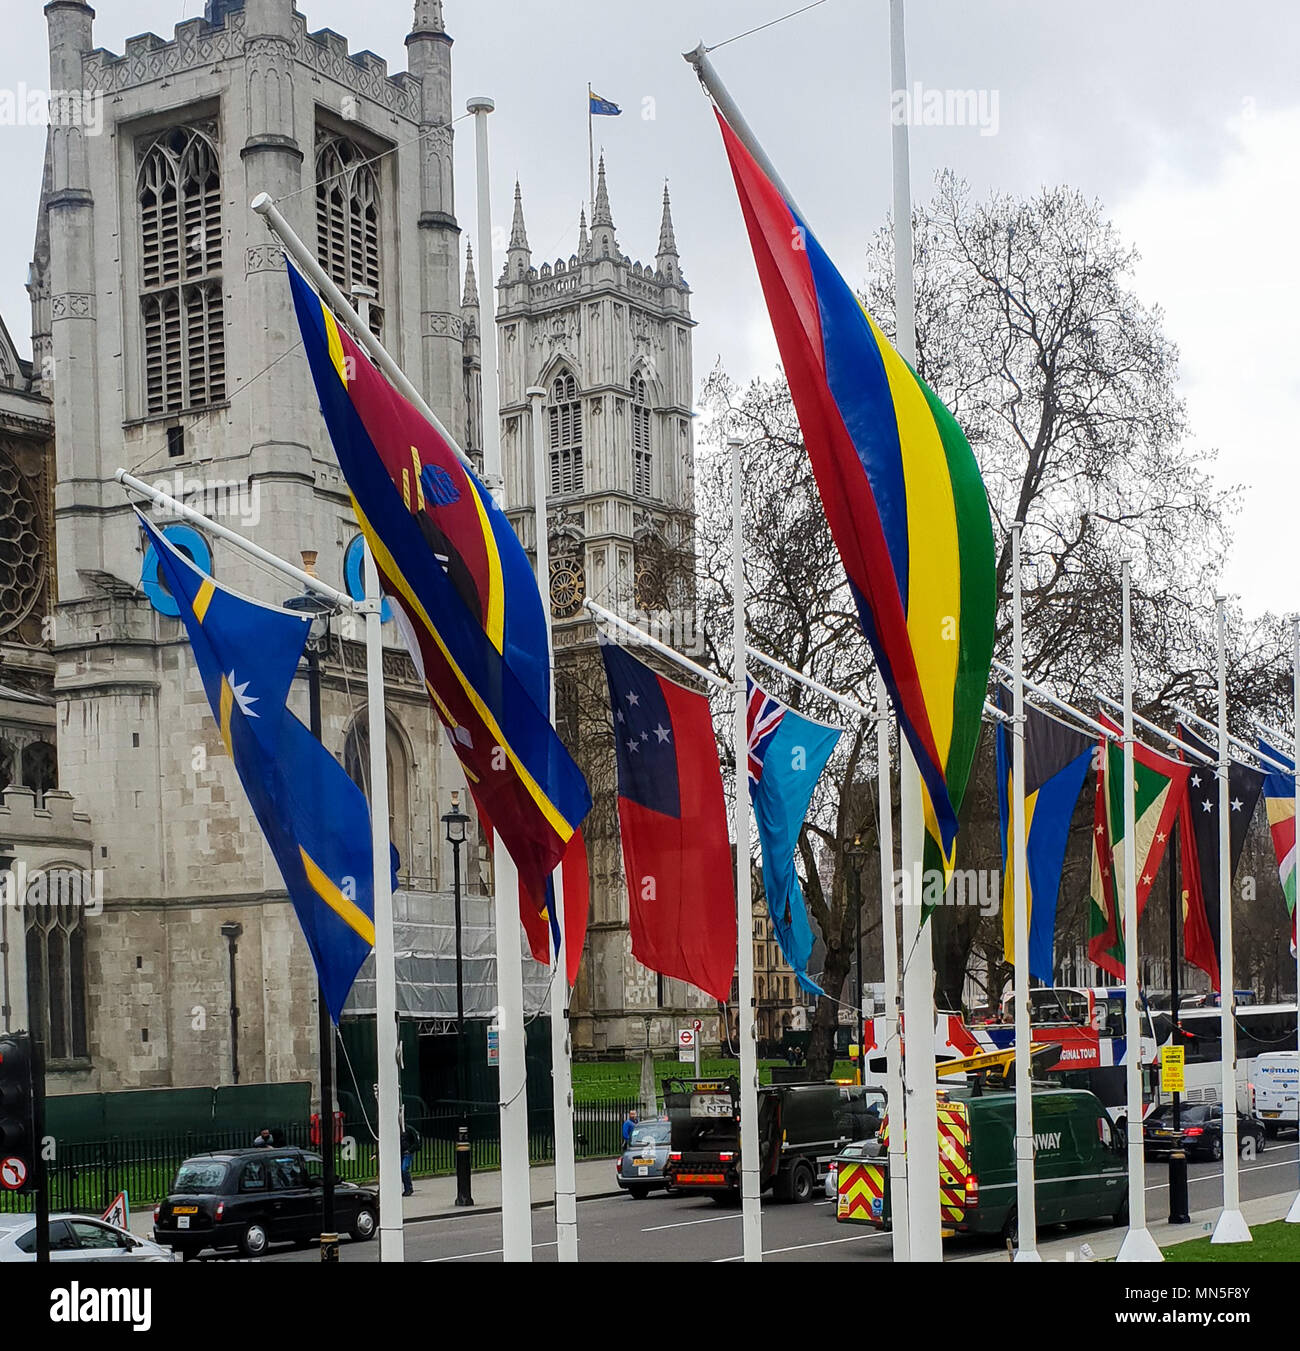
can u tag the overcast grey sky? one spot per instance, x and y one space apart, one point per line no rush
1181 116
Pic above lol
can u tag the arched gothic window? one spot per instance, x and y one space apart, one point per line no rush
565 415
182 305
642 455
40 771
54 918
347 221
356 761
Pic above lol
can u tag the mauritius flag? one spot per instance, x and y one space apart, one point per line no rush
465 594
1279 803
787 753
1056 763
673 820
1159 785
901 490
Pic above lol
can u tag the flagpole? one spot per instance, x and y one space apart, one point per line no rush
566 1180
1196 755
1059 704
894 1104
516 1180
591 156
1231 1226
1293 1215
922 1086
1250 750
617 622
751 1222
1026 1211
388 1148
1138 1245
341 305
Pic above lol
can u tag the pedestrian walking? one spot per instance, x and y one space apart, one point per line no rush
410 1144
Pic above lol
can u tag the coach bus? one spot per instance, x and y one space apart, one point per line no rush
1261 1028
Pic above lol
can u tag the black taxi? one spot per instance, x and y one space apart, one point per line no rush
250 1198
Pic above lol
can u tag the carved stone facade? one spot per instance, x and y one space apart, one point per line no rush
156 799
609 340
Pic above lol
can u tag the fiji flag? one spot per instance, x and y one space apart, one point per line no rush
673 819
599 107
1056 763
314 817
787 753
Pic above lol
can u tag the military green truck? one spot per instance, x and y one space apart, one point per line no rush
801 1128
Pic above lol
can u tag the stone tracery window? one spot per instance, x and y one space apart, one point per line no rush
22 559
642 455
356 762
565 425
182 304
347 221
56 960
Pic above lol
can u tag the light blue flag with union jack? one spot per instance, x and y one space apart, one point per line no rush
787 753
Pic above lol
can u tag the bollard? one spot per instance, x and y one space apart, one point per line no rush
1178 1188
329 1247
464 1162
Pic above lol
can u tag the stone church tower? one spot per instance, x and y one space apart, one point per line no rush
609 340
165 339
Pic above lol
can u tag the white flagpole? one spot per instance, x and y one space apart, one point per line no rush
516 1181
1026 1211
889 941
391 1247
918 953
566 1172
1138 1245
1293 1215
1231 1226
591 157
751 1222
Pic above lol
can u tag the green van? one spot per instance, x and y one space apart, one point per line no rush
1080 1171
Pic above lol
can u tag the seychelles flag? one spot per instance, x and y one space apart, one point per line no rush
673 820
1279 803
466 599
315 819
901 490
787 753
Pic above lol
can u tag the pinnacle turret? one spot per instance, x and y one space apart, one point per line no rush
470 299
603 242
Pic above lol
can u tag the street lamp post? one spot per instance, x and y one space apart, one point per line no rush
317 639
455 822
854 852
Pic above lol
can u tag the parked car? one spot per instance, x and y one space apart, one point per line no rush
77 1238
250 1198
640 1169
1201 1132
859 1149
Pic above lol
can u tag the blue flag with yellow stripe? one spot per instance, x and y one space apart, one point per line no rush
314 817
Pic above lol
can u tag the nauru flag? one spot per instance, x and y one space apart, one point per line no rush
901 490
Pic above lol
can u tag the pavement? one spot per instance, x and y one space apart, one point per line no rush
435 1197
1105 1244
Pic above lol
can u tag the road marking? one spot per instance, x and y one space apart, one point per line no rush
1209 1177
681 1224
799 1247
490 1252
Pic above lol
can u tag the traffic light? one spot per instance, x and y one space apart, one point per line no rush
17 1123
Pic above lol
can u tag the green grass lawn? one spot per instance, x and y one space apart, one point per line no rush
1276 1242
610 1081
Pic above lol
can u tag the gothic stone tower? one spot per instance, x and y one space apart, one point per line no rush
609 340
164 330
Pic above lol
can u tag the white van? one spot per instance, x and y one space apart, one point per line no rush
1275 1088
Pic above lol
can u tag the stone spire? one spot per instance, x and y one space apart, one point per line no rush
583 242
667 261
428 17
470 298
518 235
603 243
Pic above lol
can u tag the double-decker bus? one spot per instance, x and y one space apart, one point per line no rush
1260 1028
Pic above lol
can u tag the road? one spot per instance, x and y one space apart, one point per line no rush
667 1229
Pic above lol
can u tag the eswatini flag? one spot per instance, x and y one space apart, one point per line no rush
1279 803
465 594
673 820
901 490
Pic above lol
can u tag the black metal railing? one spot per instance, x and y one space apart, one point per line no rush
87 1176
